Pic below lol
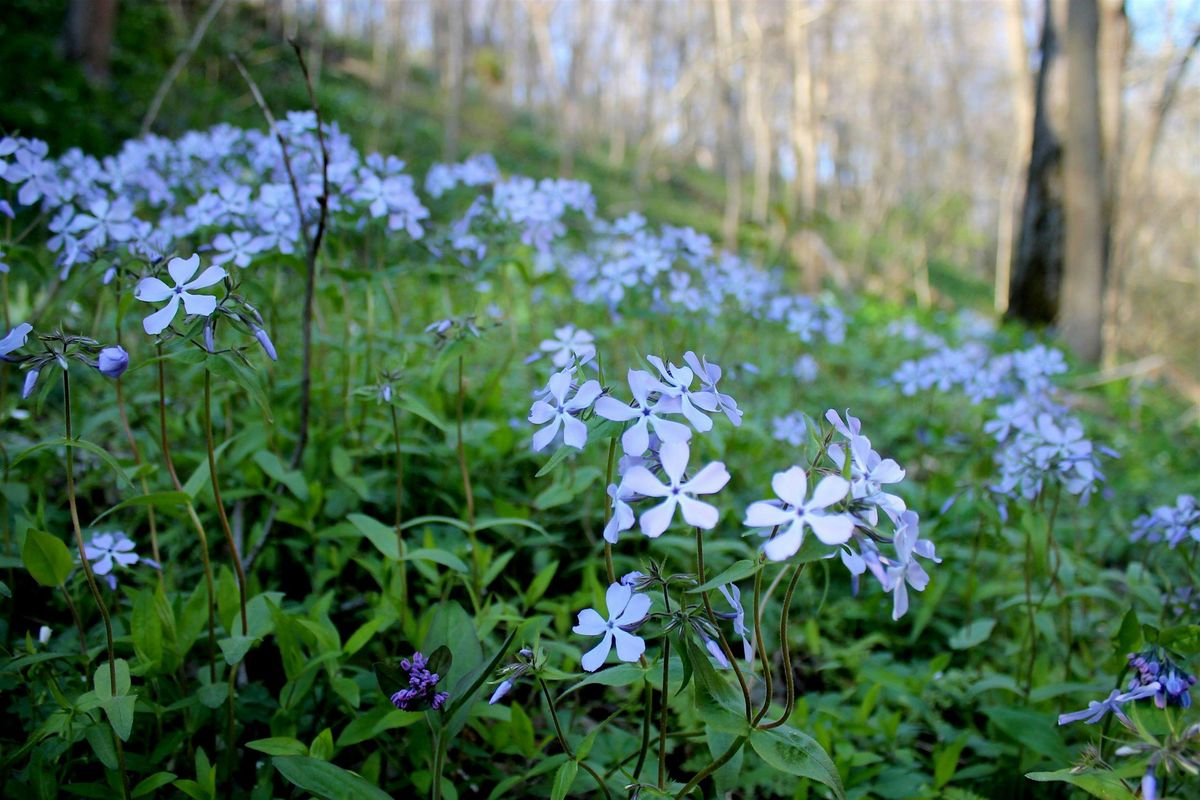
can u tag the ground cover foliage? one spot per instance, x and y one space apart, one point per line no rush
481 516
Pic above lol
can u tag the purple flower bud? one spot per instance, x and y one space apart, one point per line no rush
501 690
113 361
30 382
265 341
1149 785
209 345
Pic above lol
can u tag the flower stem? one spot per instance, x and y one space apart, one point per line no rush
608 472
137 457
663 704
763 656
466 481
216 488
646 721
712 618
400 509
712 767
83 559
562 739
789 678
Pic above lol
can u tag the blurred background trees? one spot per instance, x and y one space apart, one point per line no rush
1040 156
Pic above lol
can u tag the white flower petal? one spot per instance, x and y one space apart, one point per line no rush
790 485
830 490
785 545
590 623
674 457
201 304
709 480
157 322
152 290
656 520
629 647
697 513
210 277
832 528
641 481
762 514
594 659
182 269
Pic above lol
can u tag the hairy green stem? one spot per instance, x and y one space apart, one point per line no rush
399 519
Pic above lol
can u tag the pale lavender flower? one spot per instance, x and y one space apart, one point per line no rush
556 410
646 413
712 399
626 610
622 515
181 270
677 493
733 595
906 571
15 338
569 343
1096 710
109 549
796 512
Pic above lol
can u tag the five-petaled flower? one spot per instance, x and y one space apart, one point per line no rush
556 410
625 610
677 492
108 549
152 290
646 413
797 513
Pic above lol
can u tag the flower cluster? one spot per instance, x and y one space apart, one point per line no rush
1172 683
422 687
1170 524
844 514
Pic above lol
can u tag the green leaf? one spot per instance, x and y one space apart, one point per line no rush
1128 637
152 784
47 558
540 582
973 634
559 456
326 780
795 753
322 746
157 499
101 739
213 695
269 463
119 711
380 535
95 450
563 779
438 556
1098 783
234 648
381 719
1183 639
618 675
102 679
739 571
1036 731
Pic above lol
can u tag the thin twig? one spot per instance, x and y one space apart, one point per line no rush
180 62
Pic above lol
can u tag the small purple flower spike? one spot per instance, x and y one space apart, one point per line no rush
421 692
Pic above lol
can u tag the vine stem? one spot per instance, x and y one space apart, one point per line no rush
83 559
216 488
789 678
164 444
562 739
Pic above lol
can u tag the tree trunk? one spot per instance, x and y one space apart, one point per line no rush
1022 100
804 120
90 27
757 117
1081 316
731 151
1033 294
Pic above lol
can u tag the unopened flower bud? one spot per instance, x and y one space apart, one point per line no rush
113 361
